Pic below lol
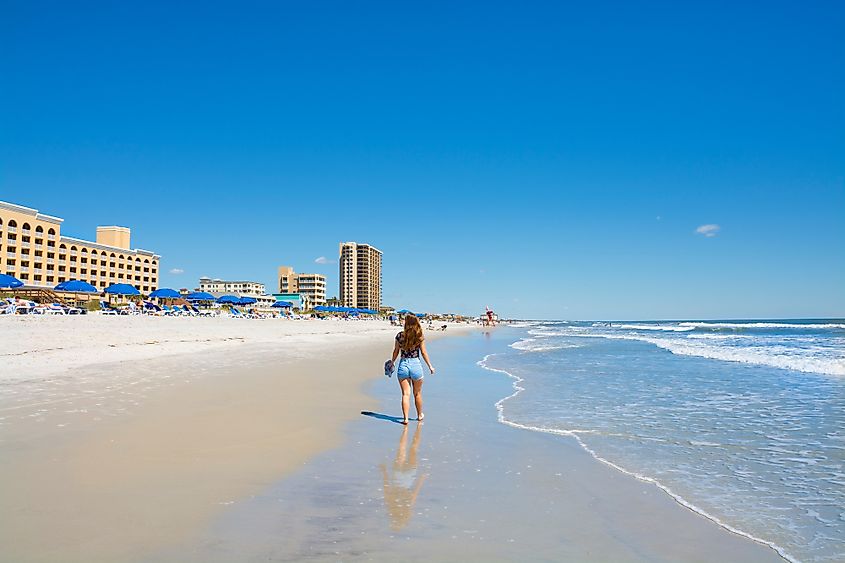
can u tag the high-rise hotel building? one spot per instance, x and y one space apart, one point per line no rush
360 275
33 250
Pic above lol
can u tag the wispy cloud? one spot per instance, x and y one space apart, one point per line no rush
710 230
323 260
177 271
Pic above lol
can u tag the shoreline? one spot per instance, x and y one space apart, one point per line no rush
678 499
481 491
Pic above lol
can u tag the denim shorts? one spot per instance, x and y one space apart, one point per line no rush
410 368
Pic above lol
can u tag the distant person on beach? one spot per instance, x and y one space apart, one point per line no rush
410 343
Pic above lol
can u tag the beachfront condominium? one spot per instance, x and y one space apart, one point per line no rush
313 286
360 275
33 250
240 288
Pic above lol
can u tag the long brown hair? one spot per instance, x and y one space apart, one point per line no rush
412 336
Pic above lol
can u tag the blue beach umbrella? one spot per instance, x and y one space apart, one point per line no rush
323 308
200 296
166 293
122 289
9 281
421 315
282 304
404 312
246 300
229 299
76 286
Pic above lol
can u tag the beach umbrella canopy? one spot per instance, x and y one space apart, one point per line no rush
229 299
420 315
323 308
403 311
166 293
122 289
246 300
282 304
77 286
200 296
9 281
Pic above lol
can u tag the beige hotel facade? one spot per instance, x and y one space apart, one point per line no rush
33 250
312 286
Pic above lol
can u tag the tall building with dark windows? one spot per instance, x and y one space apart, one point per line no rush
360 275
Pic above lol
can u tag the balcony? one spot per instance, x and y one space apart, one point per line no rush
51 261
24 269
51 237
11 255
11 229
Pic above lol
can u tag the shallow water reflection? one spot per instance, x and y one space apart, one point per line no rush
403 481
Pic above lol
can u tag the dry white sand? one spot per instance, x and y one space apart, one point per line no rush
33 345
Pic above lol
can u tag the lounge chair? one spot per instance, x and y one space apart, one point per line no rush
198 312
151 308
106 309
176 311
8 307
53 309
237 314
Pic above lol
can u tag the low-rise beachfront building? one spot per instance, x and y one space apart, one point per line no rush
311 285
299 301
33 249
360 275
240 288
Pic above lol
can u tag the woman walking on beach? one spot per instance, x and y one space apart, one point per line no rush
410 343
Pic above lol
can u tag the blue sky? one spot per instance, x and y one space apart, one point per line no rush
551 160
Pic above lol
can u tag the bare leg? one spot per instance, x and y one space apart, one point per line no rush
405 384
418 398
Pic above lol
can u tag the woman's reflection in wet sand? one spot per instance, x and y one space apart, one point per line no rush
402 484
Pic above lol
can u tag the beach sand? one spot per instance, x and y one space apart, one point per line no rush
106 460
255 449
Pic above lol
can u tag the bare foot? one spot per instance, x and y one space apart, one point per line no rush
405 422
421 417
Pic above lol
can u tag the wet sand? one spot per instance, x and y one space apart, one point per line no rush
459 487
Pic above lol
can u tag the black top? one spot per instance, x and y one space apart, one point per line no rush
415 353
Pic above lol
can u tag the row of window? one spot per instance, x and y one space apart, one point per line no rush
26 228
49 280
12 245
25 267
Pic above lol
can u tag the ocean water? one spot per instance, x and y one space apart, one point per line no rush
743 422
